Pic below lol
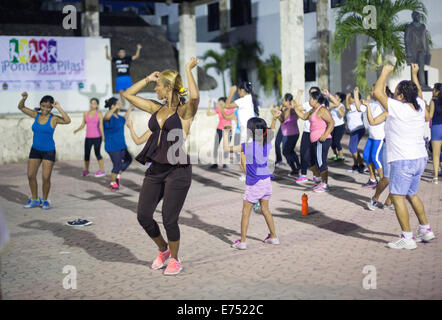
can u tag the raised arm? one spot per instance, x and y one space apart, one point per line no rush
64 119
347 101
82 124
276 115
414 71
379 119
429 112
108 57
229 103
128 112
356 97
379 88
191 107
137 54
209 111
22 108
299 109
147 105
334 102
109 114
138 140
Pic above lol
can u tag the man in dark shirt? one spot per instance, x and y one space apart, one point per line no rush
122 63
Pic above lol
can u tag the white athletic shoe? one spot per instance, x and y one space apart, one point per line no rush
425 236
271 240
373 204
239 245
403 243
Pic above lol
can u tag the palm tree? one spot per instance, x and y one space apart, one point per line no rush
386 39
222 62
269 74
245 56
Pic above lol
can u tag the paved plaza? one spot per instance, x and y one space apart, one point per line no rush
321 256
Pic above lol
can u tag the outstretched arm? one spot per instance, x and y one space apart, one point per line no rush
82 124
191 107
379 88
22 108
147 105
137 54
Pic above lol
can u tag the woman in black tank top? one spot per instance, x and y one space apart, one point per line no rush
170 175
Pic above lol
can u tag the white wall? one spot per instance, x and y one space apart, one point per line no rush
98 84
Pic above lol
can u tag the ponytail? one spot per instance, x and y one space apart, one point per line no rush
409 90
247 86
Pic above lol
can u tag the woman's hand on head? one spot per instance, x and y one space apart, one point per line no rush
56 105
153 77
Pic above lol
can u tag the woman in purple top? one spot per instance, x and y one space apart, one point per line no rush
254 157
290 133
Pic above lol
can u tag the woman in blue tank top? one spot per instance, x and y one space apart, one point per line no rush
436 129
43 146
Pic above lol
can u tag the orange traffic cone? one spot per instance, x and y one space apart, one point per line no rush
304 205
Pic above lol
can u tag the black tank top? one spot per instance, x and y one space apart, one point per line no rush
158 149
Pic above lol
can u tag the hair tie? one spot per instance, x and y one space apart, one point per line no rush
265 132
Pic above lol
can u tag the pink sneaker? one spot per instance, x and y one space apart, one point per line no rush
317 180
161 259
100 174
173 268
302 179
85 173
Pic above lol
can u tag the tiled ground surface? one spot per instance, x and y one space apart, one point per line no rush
321 256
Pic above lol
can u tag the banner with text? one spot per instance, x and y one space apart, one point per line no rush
42 63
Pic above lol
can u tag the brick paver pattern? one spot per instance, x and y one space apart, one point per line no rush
321 256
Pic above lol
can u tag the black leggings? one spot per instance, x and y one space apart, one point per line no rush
170 183
338 133
218 138
288 149
306 146
278 142
88 143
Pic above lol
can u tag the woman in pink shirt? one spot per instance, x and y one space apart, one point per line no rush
93 120
219 130
321 126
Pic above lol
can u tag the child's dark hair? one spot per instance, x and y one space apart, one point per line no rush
110 102
409 90
388 92
96 100
318 96
223 99
341 96
288 97
438 100
49 99
257 127
247 86
313 89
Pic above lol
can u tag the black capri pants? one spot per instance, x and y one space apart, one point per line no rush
170 183
337 134
121 160
306 146
88 143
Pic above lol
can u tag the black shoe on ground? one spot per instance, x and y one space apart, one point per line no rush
361 168
79 223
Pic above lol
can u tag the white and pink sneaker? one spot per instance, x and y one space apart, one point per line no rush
100 174
302 179
322 187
